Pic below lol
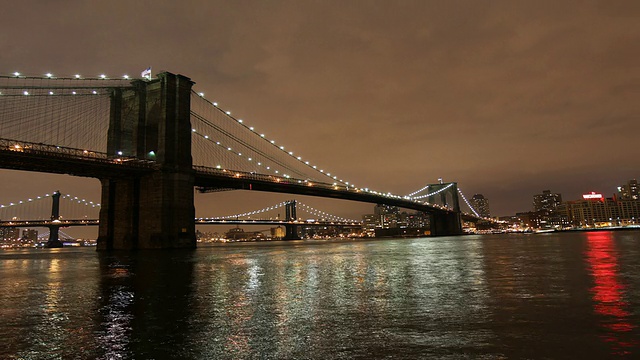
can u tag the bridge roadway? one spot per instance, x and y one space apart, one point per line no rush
26 156
211 179
199 221
20 155
48 223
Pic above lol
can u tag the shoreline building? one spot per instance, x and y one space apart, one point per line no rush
593 210
596 210
389 221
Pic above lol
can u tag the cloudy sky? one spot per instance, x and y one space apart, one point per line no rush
507 98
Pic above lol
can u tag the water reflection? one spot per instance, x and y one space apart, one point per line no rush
44 303
458 297
114 307
538 292
342 300
144 304
53 311
609 292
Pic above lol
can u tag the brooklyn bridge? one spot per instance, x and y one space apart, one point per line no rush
150 142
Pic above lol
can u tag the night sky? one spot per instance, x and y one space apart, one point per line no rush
508 98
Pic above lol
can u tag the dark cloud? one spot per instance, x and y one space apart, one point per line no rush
506 97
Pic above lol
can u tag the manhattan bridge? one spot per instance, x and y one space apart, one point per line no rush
150 142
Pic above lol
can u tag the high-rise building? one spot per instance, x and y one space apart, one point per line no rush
481 205
547 201
629 191
546 207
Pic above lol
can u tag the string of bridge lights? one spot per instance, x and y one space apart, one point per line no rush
417 191
272 142
49 75
22 202
41 197
432 193
440 190
321 213
231 150
305 207
349 186
61 235
74 92
468 204
268 208
79 201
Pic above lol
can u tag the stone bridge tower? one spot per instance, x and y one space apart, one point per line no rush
156 210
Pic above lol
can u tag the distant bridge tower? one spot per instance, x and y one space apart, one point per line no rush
290 215
54 241
448 194
445 224
155 210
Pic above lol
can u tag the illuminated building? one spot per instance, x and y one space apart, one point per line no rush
546 206
596 210
369 222
628 211
30 235
481 205
389 221
529 219
10 234
416 220
629 191
277 232
546 201
387 216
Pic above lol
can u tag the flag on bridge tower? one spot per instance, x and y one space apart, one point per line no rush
146 74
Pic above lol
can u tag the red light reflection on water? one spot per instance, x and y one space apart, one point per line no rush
608 291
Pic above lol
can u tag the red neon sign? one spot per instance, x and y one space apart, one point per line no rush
592 195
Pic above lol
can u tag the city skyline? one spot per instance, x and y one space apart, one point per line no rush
550 212
507 99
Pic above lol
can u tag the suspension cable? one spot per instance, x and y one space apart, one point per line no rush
468 204
433 193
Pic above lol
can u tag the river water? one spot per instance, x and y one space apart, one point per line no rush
554 296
